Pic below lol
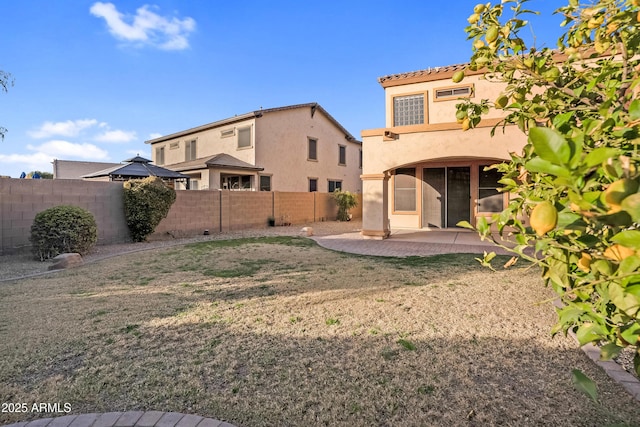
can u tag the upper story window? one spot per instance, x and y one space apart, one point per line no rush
453 93
408 110
190 150
160 156
312 149
360 158
342 155
244 137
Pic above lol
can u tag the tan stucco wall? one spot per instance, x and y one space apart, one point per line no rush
279 145
209 142
440 141
282 150
442 111
380 156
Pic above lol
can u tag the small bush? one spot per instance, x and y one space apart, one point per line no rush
63 229
345 201
146 203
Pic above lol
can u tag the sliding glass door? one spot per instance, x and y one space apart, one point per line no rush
446 196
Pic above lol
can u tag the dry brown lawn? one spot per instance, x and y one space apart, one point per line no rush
280 332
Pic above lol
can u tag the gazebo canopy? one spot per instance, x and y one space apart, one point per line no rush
137 167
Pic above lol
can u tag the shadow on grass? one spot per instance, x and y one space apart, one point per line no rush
262 379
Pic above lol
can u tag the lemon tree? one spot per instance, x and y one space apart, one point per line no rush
575 206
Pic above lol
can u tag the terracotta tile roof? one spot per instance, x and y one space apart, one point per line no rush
426 75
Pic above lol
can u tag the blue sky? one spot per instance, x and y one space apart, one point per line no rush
94 80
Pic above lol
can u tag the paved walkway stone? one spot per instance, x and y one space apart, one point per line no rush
405 243
126 419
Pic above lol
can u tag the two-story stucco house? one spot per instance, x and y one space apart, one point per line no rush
422 170
295 148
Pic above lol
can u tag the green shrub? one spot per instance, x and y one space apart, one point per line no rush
345 201
146 203
63 229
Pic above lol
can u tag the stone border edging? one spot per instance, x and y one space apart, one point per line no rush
125 419
616 372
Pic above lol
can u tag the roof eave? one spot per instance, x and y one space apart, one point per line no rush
208 126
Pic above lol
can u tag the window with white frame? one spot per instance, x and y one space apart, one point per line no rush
190 150
408 110
334 185
236 182
244 137
404 190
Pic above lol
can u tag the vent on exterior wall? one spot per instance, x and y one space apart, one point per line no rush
227 132
174 145
453 92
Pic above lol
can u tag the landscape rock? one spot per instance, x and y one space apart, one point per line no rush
307 231
63 261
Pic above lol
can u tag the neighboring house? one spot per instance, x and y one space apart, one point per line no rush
422 170
72 169
295 148
137 168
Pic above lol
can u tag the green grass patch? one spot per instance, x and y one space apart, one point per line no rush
406 344
271 240
331 321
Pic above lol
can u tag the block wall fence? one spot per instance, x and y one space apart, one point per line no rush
191 214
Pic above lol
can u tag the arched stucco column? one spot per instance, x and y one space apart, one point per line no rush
375 201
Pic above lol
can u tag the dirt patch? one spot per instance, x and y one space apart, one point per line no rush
283 332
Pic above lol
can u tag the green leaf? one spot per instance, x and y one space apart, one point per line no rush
631 205
628 303
599 155
550 145
634 109
629 265
628 238
631 333
589 332
609 351
482 225
465 224
540 165
584 384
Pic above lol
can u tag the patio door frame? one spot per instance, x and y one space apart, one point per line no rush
445 196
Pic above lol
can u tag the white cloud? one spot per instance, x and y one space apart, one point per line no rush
154 135
68 128
59 149
42 155
118 136
30 162
146 27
